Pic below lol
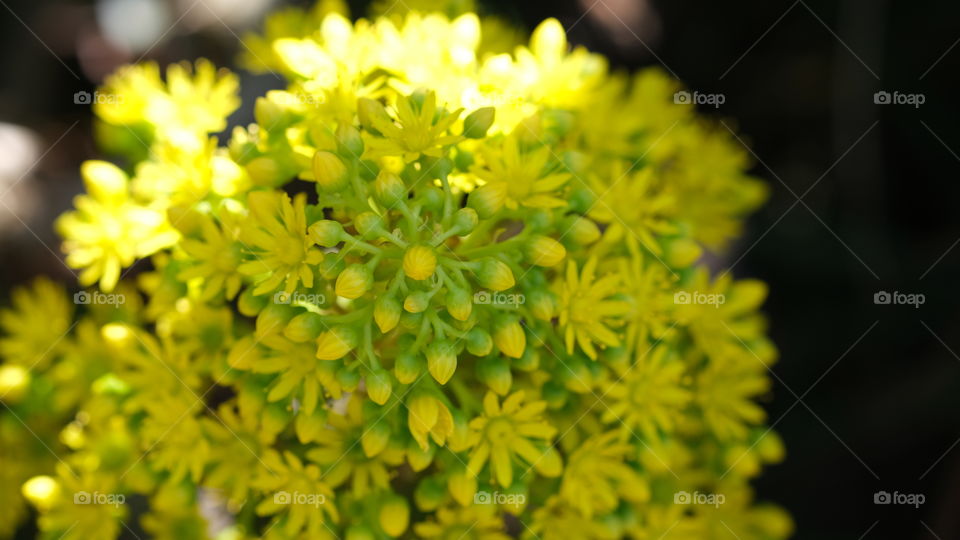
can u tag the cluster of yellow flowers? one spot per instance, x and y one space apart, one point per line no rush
445 286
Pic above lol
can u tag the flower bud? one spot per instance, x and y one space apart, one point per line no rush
394 515
264 171
386 313
459 304
354 281
304 327
379 386
359 532
488 199
273 318
14 382
465 220
389 189
250 305
370 113
329 172
326 232
543 304
682 252
495 372
429 494
375 437
336 343
495 275
441 360
479 342
419 262
348 378
476 124
545 251
368 223
463 486
510 337
104 181
581 231
416 302
408 367
349 142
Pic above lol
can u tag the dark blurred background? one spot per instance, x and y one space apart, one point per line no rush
863 200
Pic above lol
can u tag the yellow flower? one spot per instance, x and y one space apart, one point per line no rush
109 230
343 454
586 309
275 234
427 415
217 255
651 394
473 522
296 495
35 328
419 127
597 476
505 434
633 201
524 177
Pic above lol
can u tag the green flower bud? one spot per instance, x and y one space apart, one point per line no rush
330 267
394 516
379 386
509 337
408 367
479 342
463 159
682 252
543 304
389 189
495 372
349 142
441 360
249 304
419 262
431 197
476 124
375 437
335 343
348 378
544 251
554 394
265 171
360 532
465 220
304 327
488 199
459 304
368 224
529 361
410 321
416 302
326 232
430 493
386 313
495 274
329 172
274 317
581 231
354 281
